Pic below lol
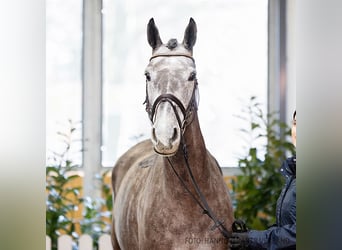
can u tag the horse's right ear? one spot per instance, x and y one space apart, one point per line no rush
153 35
190 35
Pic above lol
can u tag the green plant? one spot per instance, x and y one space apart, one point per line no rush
256 190
93 222
97 212
63 198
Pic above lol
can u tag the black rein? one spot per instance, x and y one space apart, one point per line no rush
202 202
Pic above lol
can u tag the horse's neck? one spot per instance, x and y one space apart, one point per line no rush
197 157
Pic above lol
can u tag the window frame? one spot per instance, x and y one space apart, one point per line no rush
92 94
278 85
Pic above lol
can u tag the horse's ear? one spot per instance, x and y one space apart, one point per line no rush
190 35
153 35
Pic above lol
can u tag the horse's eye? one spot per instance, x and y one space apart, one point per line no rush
148 76
192 76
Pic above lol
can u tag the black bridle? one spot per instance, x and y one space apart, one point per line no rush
174 101
187 113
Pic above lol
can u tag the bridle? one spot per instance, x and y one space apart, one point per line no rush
187 113
174 101
169 55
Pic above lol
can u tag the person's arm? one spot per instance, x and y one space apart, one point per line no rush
273 238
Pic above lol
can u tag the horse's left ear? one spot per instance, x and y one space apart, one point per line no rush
153 35
190 35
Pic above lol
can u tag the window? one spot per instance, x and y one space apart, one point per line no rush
231 59
63 71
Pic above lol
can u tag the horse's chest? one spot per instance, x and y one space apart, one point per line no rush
152 217
170 224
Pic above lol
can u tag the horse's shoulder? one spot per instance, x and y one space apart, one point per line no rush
130 158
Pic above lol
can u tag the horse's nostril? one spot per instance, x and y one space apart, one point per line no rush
174 136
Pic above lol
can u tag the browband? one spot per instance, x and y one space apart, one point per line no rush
179 54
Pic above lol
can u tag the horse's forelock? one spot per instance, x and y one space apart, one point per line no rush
172 43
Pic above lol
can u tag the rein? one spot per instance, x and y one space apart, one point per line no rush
203 201
174 101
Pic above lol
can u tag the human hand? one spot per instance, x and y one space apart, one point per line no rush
239 241
239 226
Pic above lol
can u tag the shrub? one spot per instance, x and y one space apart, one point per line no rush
63 198
256 190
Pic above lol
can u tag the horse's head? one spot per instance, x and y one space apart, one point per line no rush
171 88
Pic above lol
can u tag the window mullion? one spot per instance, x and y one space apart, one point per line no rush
277 66
92 93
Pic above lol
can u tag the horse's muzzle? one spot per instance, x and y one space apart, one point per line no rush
166 147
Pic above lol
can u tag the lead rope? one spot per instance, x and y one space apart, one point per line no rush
204 205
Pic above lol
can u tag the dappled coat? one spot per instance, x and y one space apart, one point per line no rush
283 234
